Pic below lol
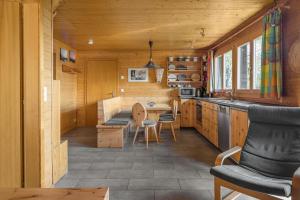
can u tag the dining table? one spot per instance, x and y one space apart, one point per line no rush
153 113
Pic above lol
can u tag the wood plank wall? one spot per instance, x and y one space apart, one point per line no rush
125 60
10 95
291 34
291 76
46 77
68 84
31 92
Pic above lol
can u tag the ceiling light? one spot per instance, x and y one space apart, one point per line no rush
150 64
91 42
159 72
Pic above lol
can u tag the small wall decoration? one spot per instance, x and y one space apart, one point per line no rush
63 55
72 56
138 75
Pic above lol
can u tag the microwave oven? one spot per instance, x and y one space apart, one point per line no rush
187 92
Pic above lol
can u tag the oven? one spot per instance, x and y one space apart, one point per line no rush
187 92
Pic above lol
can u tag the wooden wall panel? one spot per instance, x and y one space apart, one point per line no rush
46 78
291 76
68 89
32 121
68 102
10 95
291 34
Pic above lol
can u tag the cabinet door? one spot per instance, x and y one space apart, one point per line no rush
187 113
239 129
205 120
214 127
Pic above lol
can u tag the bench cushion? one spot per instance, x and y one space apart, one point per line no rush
123 114
122 118
252 180
117 121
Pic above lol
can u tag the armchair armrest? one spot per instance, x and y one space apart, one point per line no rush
296 185
223 156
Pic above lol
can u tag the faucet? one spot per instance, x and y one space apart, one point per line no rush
231 95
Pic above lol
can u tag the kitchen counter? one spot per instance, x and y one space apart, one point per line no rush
242 105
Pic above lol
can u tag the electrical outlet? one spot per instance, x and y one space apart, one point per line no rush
122 90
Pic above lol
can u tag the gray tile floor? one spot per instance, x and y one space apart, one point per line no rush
165 171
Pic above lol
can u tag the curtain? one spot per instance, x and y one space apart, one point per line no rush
210 64
271 72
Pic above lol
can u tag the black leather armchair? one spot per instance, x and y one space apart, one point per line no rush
270 158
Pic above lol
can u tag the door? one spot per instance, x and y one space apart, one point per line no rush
101 83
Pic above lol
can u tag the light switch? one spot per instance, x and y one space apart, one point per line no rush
122 77
122 90
45 94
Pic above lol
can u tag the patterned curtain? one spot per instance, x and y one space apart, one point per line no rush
271 72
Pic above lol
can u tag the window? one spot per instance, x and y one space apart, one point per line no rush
218 72
227 71
257 50
243 72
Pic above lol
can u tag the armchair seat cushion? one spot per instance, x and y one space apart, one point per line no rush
252 180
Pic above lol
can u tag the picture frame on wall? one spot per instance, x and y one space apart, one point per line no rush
138 75
72 56
64 55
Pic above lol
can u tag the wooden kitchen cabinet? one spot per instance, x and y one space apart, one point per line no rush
239 129
210 122
188 112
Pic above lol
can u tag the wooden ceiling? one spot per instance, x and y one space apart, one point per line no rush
129 24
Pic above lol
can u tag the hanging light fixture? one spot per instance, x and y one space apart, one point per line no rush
158 70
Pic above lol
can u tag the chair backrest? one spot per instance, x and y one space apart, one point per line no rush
272 146
139 114
175 109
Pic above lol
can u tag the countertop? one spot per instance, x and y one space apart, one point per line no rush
242 105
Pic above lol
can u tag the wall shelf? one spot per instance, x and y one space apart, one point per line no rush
187 68
70 70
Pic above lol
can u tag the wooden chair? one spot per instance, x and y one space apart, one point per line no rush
269 167
169 119
139 114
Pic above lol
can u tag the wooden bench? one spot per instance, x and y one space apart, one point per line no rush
113 123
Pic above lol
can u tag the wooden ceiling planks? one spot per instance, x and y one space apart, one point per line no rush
129 24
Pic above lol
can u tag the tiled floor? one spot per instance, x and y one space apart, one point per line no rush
165 171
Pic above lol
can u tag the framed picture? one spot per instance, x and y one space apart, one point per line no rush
72 56
63 55
138 75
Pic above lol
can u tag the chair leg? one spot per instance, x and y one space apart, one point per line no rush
136 132
159 129
217 188
146 136
155 133
173 132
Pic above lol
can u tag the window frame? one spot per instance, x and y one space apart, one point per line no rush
221 71
248 44
253 65
223 77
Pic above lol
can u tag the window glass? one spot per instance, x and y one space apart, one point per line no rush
218 73
257 45
244 67
228 70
